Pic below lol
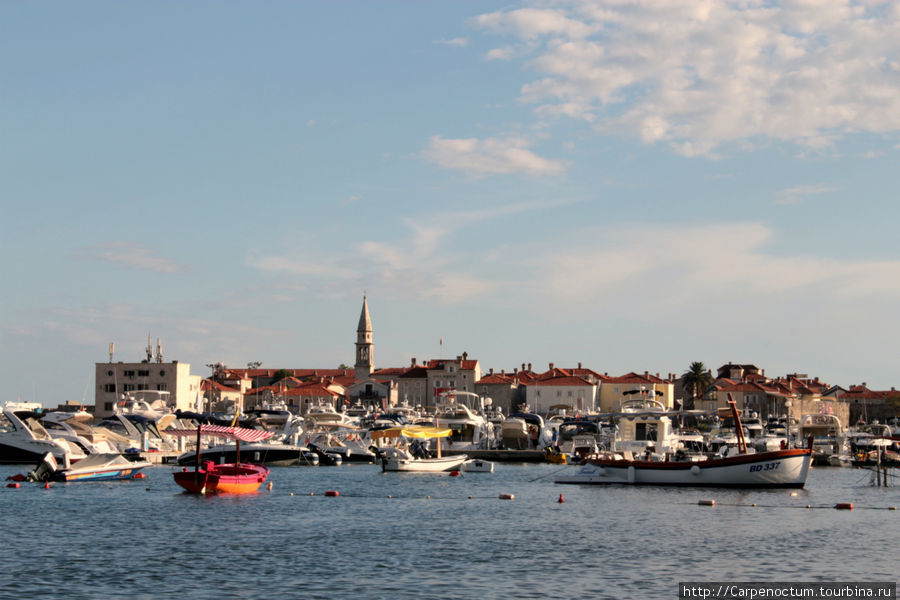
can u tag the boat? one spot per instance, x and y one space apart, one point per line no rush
96 467
24 440
462 413
228 478
826 431
271 454
414 456
524 430
744 469
478 466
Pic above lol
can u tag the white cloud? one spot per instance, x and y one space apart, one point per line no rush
459 42
697 75
658 272
132 255
490 156
797 193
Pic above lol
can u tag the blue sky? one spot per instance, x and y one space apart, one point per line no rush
633 186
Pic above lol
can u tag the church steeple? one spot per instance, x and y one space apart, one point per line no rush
365 361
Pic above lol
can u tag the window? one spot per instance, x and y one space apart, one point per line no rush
109 388
569 394
128 373
128 387
162 373
162 387
143 386
107 406
559 393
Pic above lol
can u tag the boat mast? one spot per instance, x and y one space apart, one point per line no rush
738 428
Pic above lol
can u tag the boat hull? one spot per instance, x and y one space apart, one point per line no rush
425 465
785 468
281 455
102 475
223 479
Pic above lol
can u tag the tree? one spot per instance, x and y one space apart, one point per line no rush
281 374
696 381
343 367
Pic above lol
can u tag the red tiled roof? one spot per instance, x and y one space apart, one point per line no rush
496 378
562 381
635 378
209 385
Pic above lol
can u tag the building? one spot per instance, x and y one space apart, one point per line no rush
614 391
561 391
116 380
446 374
504 390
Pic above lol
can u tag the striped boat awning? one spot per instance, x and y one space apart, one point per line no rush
232 433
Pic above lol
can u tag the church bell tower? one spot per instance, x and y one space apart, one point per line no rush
365 362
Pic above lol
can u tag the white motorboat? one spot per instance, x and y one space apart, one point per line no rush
96 467
24 440
414 457
475 465
782 468
462 413
826 431
401 459
524 430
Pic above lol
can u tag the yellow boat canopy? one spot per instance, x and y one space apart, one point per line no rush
413 431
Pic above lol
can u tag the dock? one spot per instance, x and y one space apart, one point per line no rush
506 456
161 458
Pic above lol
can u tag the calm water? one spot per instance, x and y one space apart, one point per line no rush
146 539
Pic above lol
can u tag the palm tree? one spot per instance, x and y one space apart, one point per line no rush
696 381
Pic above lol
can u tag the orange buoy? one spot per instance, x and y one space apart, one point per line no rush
139 476
507 496
844 506
332 493
707 502
454 473
46 485
561 499
269 486
13 485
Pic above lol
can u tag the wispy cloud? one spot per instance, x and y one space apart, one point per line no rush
130 254
799 193
490 156
416 263
697 75
459 42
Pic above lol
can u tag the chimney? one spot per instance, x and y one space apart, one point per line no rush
529 366
412 361
516 370
579 365
646 373
523 366
491 372
465 356
551 366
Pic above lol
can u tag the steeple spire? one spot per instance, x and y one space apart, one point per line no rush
365 361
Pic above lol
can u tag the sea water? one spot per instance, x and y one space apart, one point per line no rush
433 536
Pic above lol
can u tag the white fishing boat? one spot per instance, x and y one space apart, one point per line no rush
782 468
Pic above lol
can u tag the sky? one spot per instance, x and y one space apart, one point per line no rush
629 185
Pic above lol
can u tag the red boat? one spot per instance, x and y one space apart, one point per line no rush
229 478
